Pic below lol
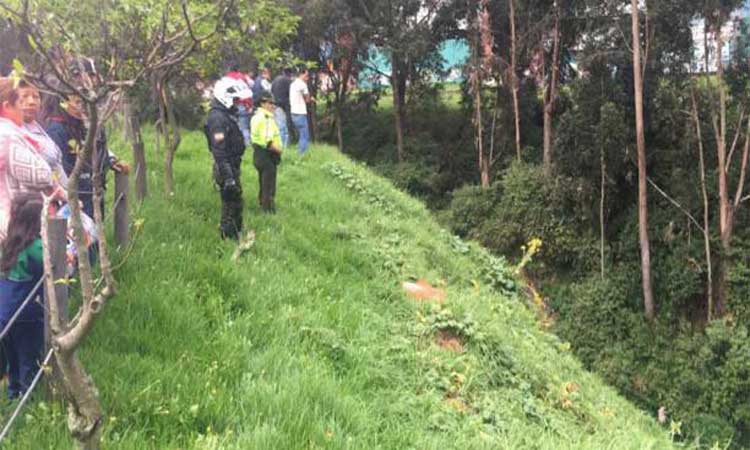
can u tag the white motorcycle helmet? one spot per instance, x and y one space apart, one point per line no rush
227 89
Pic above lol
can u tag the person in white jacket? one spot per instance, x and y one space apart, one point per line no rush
22 169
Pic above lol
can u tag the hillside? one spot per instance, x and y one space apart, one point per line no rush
310 343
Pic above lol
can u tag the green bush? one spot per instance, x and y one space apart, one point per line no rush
470 208
701 377
522 205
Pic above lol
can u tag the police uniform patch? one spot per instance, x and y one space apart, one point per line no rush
218 137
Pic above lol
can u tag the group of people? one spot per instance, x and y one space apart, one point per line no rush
230 130
40 142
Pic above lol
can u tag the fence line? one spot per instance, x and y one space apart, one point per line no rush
25 397
20 309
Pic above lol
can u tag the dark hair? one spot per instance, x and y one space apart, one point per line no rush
50 108
50 103
288 71
301 70
23 228
9 89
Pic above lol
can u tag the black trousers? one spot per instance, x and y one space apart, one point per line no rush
231 203
23 349
265 162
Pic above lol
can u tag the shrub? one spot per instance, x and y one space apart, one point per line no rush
471 207
533 206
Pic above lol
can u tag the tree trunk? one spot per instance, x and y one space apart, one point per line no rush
159 125
339 130
84 409
172 136
133 126
602 203
648 295
482 64
550 94
341 93
312 108
726 208
706 220
484 163
514 77
398 105
85 415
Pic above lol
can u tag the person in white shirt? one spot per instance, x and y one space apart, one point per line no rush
299 97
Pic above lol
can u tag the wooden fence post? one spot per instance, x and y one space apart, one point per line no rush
57 230
58 241
122 219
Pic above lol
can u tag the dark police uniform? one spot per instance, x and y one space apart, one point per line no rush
227 145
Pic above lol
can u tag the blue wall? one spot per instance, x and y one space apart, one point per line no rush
454 52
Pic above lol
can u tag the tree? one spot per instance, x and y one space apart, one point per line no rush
480 69
513 75
562 34
408 31
716 16
551 89
648 292
56 52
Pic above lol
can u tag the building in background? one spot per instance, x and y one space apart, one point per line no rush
704 43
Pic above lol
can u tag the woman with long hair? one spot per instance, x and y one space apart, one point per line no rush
30 102
21 268
22 169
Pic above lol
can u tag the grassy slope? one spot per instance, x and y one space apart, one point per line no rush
309 342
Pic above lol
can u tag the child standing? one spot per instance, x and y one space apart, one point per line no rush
21 268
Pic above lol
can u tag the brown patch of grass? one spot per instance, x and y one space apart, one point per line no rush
450 341
422 290
458 404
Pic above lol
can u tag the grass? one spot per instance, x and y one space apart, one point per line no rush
309 343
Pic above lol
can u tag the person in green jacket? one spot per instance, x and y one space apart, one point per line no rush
21 269
266 140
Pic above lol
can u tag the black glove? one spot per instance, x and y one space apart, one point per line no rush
231 187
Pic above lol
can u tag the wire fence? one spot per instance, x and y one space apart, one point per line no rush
34 293
25 397
15 316
121 215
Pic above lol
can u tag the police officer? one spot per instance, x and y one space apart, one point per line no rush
264 134
227 145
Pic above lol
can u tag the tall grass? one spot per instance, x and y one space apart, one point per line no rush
308 341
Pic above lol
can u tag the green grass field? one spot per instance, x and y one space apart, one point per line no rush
309 342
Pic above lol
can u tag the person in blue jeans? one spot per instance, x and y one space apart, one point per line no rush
299 97
243 120
22 267
280 91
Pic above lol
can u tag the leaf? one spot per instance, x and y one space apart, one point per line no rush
65 281
17 74
32 42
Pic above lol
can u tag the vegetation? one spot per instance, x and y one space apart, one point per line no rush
599 134
309 342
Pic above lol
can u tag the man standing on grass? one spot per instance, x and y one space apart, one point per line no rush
227 145
280 91
262 84
299 97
